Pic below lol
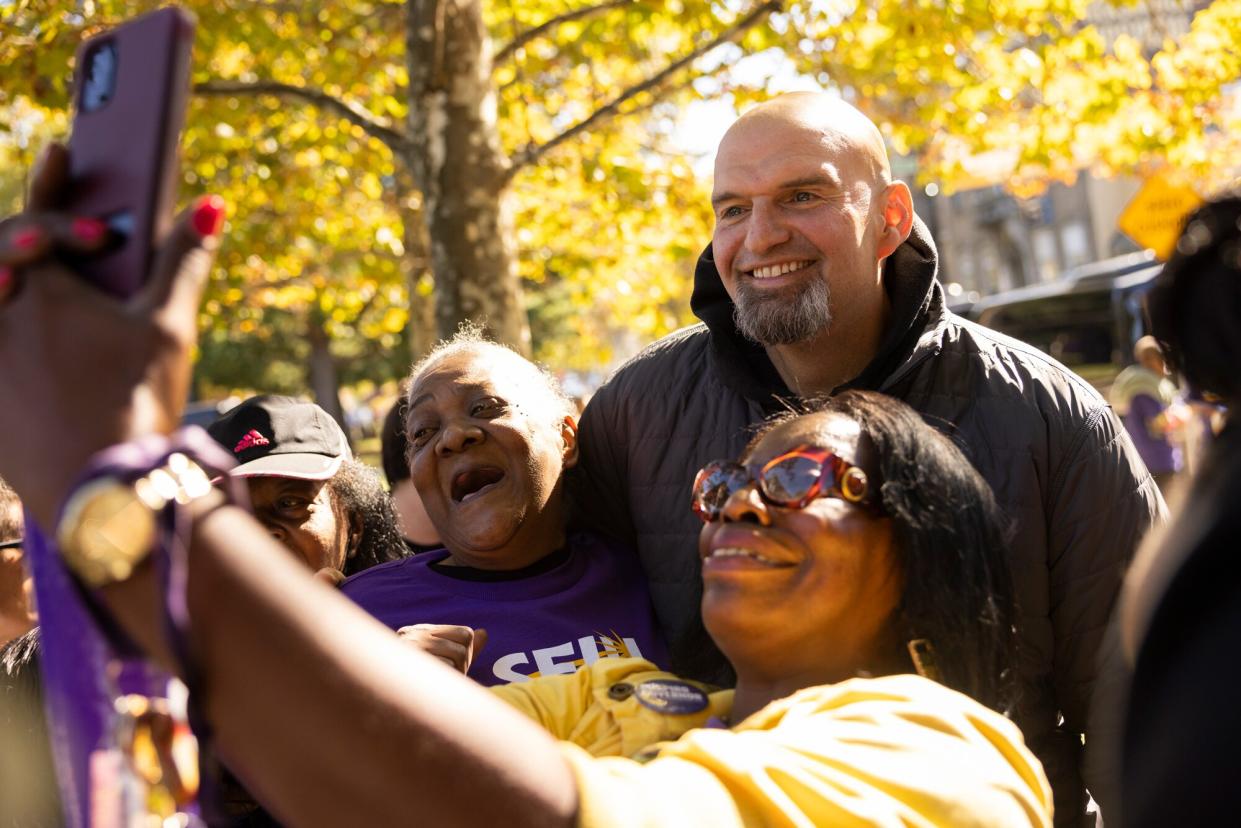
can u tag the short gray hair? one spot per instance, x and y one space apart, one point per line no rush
471 336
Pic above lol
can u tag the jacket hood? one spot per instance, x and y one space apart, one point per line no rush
909 277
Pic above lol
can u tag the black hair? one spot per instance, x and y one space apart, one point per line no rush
393 444
19 665
949 536
1196 301
359 494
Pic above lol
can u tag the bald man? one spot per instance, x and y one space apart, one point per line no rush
819 277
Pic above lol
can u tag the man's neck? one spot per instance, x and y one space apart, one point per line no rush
806 372
820 365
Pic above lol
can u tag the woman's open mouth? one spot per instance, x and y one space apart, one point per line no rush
474 483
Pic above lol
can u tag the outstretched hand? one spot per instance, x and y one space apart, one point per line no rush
81 370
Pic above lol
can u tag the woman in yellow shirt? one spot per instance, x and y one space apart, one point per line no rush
850 549
853 541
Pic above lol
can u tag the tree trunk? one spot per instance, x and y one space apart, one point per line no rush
324 381
415 264
460 169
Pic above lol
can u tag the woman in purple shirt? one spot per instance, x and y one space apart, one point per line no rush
490 436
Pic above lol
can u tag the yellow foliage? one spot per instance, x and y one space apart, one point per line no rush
394 320
608 226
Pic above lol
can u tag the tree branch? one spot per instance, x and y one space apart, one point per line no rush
533 153
518 41
395 140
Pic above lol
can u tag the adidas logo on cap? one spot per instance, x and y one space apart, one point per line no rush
250 440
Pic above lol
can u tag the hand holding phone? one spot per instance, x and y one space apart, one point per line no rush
130 91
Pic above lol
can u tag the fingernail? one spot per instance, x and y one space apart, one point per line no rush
27 238
208 216
88 230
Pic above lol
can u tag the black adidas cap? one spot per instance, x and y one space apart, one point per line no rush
273 436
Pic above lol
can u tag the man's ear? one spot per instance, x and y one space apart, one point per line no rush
898 218
568 434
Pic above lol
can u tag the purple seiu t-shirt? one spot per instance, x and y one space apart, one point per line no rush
593 605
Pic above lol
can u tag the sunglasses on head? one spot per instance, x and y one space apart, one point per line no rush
790 481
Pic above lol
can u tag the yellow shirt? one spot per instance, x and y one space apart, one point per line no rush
890 751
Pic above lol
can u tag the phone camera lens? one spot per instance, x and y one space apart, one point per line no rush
100 77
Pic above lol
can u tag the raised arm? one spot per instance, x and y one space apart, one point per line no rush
331 718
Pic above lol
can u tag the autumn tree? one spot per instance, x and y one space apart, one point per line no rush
395 167
1026 93
375 144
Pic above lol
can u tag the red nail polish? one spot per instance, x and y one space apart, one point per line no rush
208 216
88 230
27 238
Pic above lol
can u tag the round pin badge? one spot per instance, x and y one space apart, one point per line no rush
678 698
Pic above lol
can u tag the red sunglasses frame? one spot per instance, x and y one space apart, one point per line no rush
849 482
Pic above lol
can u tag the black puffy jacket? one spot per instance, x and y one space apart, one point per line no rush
1058 459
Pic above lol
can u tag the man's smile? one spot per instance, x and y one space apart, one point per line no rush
771 271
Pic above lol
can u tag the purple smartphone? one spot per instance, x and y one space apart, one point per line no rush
130 89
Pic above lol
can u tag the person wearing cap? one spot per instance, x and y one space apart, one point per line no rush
306 487
310 493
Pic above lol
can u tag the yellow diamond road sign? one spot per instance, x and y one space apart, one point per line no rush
1153 218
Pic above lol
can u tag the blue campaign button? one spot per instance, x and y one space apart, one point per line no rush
678 698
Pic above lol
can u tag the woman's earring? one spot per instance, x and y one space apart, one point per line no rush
853 485
922 654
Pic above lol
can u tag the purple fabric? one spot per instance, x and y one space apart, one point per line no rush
594 605
80 647
72 663
1159 455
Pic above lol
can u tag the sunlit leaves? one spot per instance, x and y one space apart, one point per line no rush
606 225
1023 92
638 219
